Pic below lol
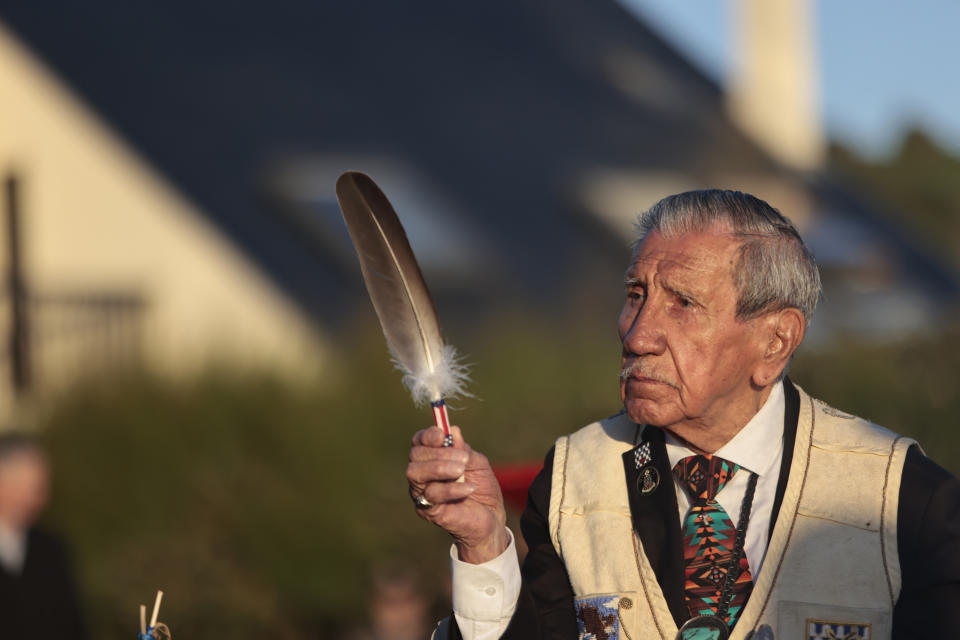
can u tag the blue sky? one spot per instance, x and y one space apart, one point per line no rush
883 64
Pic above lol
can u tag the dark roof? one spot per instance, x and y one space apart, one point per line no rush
500 102
503 103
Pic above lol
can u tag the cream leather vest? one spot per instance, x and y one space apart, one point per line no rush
831 565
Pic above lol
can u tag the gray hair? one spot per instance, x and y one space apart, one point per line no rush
774 269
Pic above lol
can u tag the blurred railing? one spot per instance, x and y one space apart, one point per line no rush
72 335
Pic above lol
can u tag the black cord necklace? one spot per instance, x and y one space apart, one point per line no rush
715 627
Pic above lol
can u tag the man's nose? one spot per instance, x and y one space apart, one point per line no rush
642 332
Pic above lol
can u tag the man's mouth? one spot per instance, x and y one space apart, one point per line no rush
639 371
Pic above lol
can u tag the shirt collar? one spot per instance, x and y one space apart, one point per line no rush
13 549
752 447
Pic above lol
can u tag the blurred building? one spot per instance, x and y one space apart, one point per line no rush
175 165
112 265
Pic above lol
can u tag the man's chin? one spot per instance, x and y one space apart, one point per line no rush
646 411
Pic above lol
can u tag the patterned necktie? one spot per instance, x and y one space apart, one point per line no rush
708 539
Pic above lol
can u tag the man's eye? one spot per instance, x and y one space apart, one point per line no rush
634 295
685 302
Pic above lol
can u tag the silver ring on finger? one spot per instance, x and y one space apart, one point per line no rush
419 501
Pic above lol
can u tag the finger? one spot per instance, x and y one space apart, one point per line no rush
440 493
477 461
433 437
426 454
430 437
421 473
423 437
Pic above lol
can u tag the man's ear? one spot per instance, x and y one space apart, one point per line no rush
784 333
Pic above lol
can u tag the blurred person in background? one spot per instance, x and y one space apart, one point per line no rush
37 595
398 608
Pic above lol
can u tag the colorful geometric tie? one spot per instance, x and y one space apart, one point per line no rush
708 539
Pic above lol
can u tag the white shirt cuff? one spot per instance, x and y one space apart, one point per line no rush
485 595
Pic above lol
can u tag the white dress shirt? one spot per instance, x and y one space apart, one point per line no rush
13 549
485 595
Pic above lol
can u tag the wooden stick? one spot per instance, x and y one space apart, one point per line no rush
143 619
156 609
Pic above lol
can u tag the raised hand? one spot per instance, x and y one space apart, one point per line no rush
471 511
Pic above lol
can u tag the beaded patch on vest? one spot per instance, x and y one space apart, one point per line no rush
764 632
597 618
820 630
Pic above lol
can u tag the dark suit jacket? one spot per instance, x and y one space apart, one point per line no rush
41 602
928 534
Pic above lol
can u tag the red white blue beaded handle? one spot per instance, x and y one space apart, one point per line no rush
443 421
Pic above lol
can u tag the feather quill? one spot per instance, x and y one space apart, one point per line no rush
431 369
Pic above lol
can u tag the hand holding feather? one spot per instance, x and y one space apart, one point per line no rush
472 512
400 296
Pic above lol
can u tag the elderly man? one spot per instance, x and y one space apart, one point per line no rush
722 500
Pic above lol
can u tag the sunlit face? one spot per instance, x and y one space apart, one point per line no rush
688 360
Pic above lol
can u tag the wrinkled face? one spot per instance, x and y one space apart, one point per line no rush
687 359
